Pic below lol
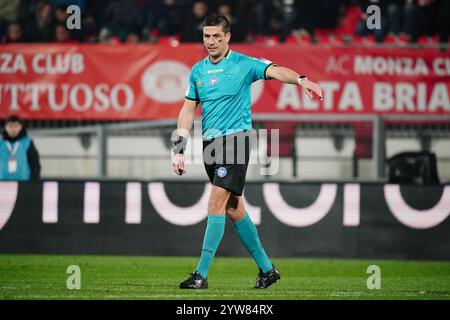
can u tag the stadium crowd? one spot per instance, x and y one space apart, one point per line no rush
135 21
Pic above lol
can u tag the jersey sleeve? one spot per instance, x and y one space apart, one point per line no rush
259 68
191 91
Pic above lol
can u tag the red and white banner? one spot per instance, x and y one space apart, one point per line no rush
127 82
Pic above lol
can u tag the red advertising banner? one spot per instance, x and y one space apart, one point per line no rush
138 82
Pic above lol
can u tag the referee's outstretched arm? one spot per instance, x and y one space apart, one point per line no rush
287 75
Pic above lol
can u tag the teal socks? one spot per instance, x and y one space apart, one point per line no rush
248 234
213 236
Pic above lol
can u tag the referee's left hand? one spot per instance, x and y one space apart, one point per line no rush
311 89
178 164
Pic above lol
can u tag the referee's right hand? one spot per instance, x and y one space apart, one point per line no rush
178 164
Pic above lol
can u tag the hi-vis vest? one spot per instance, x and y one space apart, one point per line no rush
17 150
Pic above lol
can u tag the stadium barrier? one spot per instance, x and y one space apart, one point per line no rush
101 82
346 220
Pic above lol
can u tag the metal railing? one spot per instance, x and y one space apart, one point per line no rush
378 146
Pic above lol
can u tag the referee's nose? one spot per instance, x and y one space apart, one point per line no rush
210 41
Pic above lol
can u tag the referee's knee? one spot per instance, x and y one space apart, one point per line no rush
235 214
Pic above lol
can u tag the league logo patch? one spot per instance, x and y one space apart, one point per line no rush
222 172
213 81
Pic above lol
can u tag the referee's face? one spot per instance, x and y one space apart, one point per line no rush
215 40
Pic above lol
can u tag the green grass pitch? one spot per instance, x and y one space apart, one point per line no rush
114 277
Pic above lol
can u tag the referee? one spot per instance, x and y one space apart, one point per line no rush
221 83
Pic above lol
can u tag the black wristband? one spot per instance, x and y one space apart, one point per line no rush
179 145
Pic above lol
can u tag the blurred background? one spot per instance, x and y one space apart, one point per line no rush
150 21
331 146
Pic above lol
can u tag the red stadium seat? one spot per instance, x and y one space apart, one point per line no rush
390 39
173 40
330 39
268 40
304 39
368 40
424 40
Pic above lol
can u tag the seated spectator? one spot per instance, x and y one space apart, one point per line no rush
19 159
89 29
14 34
63 35
133 36
192 31
61 14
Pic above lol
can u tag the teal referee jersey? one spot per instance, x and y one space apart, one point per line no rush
223 88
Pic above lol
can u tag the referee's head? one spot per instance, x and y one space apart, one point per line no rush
216 35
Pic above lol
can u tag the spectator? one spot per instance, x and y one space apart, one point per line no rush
444 21
133 37
114 21
14 33
328 13
311 15
96 9
394 16
89 29
61 14
238 31
19 159
170 18
264 14
26 10
192 31
40 28
8 10
65 3
361 28
63 35
121 16
288 12
244 10
420 18
154 12
8 14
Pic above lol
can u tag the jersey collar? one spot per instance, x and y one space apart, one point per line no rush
224 57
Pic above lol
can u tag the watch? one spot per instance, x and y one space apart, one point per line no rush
301 78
